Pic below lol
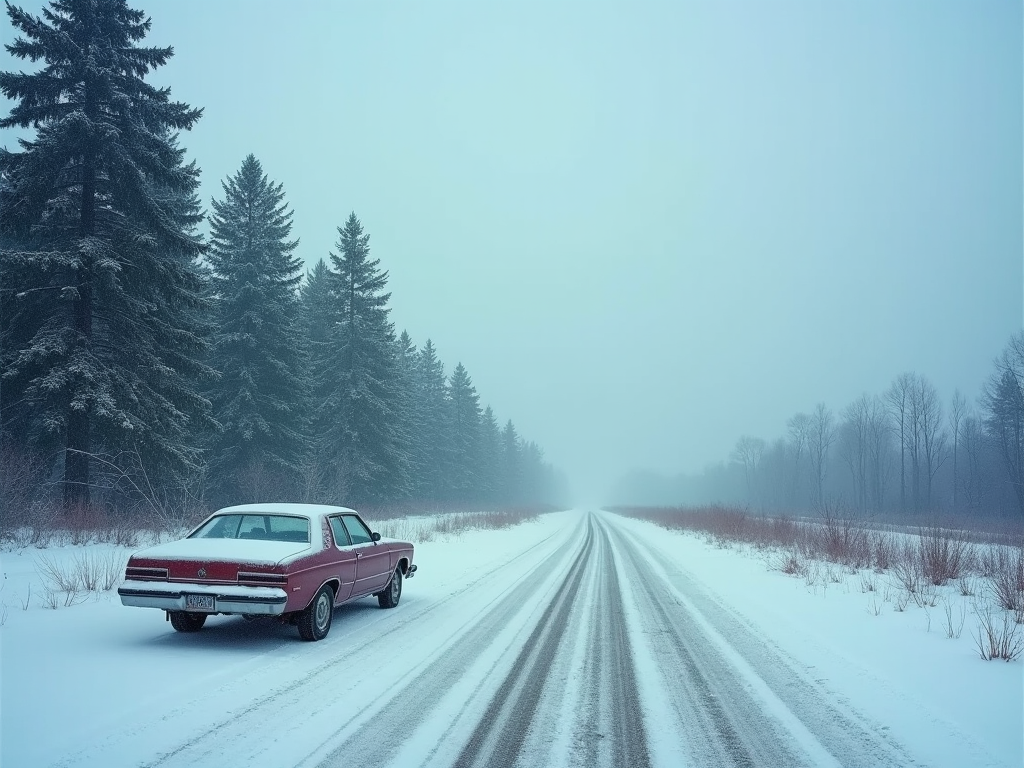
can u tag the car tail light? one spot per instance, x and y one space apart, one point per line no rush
145 574
263 579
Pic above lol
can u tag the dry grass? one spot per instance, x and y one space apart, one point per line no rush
1007 579
71 582
834 536
997 639
918 563
454 524
954 618
945 554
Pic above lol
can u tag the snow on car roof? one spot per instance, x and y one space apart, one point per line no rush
287 508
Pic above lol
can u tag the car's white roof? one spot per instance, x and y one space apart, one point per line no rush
308 510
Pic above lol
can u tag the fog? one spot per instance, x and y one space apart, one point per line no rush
645 230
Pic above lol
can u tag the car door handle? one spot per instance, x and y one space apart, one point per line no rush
358 555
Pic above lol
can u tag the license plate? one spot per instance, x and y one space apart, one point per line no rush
198 602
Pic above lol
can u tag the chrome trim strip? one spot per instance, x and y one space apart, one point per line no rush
268 579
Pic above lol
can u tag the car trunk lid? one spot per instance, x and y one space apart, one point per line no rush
217 560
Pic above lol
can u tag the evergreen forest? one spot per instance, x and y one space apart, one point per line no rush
162 354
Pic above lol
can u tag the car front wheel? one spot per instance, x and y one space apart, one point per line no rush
315 621
187 622
392 592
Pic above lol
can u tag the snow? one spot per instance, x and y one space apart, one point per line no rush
934 693
99 684
248 551
286 508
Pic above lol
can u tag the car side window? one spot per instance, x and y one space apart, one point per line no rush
341 537
360 533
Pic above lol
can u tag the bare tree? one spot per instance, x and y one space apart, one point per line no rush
929 438
879 448
774 475
822 435
1003 398
975 482
957 411
799 426
853 446
748 453
897 398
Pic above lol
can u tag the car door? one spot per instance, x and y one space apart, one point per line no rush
346 564
373 560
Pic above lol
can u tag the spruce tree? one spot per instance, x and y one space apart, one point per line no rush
464 433
316 310
103 209
356 376
490 481
259 396
432 397
511 464
408 413
535 485
315 304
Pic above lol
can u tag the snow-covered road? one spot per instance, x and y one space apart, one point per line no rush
576 640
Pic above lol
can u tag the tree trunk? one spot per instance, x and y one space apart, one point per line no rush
78 443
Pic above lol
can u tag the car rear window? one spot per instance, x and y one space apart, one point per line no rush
263 527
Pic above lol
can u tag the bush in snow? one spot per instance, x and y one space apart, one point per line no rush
997 639
1008 580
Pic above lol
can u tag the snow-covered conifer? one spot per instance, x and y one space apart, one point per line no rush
490 480
432 396
357 400
464 430
259 395
511 463
102 206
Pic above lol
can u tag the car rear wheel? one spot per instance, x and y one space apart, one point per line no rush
315 621
392 592
184 621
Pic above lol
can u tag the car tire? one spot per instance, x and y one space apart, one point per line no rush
183 621
315 620
392 592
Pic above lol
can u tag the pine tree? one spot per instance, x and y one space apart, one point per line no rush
511 464
356 376
490 482
432 397
315 304
408 412
464 412
316 310
535 485
257 349
103 207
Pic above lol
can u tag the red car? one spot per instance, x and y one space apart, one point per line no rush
295 561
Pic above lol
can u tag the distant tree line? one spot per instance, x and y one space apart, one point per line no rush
901 452
143 363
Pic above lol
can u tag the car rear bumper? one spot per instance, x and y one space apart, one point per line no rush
170 596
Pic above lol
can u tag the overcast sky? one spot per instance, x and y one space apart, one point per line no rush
645 229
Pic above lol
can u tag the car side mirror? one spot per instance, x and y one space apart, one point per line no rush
375 536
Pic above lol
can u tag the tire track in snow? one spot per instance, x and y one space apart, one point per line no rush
375 742
573 700
497 740
332 681
724 714
612 679
543 671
